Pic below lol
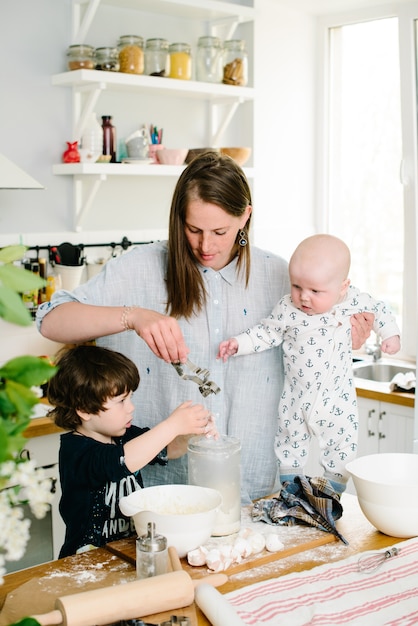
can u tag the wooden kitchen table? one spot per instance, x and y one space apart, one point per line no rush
115 562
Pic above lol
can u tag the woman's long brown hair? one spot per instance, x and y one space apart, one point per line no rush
214 179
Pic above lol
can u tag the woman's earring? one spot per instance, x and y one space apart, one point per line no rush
242 235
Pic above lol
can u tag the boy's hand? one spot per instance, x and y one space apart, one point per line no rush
193 419
227 348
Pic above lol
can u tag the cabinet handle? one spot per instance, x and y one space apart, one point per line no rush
381 434
370 432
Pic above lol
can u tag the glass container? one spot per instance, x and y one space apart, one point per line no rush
157 58
235 63
151 554
107 59
80 57
180 61
131 54
215 463
209 60
109 138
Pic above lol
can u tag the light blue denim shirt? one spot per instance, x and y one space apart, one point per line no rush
246 407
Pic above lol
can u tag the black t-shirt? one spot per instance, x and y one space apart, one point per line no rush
93 478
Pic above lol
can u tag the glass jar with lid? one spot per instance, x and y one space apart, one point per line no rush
235 63
107 59
80 57
180 61
157 58
131 54
209 60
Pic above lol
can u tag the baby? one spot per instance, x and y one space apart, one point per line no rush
313 324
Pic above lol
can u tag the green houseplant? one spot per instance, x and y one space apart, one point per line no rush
20 484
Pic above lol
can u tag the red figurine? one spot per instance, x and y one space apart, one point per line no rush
71 155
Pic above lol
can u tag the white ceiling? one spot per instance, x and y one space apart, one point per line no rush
322 7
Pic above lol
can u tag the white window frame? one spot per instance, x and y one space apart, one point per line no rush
406 13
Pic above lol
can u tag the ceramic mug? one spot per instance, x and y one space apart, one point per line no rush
137 145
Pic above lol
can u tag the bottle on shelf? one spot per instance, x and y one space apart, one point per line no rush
109 138
91 141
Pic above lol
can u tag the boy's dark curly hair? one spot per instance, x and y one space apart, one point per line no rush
87 377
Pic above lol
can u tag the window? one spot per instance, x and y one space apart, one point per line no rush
368 157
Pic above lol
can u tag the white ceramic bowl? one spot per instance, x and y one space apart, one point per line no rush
184 514
387 491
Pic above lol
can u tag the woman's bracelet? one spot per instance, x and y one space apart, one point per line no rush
124 319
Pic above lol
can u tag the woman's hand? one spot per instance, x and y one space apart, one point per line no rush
361 327
161 333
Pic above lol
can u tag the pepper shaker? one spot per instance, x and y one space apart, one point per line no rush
151 554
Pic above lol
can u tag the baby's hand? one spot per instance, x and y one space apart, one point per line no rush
227 348
391 345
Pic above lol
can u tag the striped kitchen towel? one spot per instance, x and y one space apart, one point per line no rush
344 592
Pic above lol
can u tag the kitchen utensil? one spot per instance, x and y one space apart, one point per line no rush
138 598
151 554
184 514
216 608
200 377
387 491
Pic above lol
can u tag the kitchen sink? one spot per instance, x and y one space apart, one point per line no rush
381 372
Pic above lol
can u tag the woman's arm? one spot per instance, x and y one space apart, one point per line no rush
74 322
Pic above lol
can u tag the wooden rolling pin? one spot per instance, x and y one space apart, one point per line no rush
138 598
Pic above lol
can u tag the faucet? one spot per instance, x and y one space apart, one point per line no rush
374 350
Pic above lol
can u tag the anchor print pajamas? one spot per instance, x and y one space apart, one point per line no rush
319 395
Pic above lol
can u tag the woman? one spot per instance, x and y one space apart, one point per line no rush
182 297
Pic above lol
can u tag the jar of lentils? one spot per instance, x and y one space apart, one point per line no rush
107 59
235 70
80 57
209 60
157 59
180 61
131 54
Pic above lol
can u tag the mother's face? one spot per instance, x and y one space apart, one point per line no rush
212 232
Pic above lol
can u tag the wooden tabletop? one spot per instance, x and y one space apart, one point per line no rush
115 563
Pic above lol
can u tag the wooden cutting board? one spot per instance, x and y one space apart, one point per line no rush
307 539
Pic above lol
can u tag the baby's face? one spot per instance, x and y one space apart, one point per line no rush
312 294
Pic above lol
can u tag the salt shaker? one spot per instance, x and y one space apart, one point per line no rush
151 554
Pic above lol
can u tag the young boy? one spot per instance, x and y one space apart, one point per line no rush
101 456
313 323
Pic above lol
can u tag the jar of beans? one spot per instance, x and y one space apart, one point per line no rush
131 54
180 61
107 59
80 57
157 59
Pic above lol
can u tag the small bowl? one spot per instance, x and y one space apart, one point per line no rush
240 155
194 152
184 514
172 156
387 491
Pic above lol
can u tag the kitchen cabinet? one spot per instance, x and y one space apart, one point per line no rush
384 427
220 102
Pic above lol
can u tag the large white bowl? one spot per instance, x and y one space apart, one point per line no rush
387 490
184 514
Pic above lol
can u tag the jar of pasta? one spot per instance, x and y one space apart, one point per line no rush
235 63
131 54
180 61
80 57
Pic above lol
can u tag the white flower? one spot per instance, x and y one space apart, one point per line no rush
21 483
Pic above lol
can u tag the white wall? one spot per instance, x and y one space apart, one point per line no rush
35 122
